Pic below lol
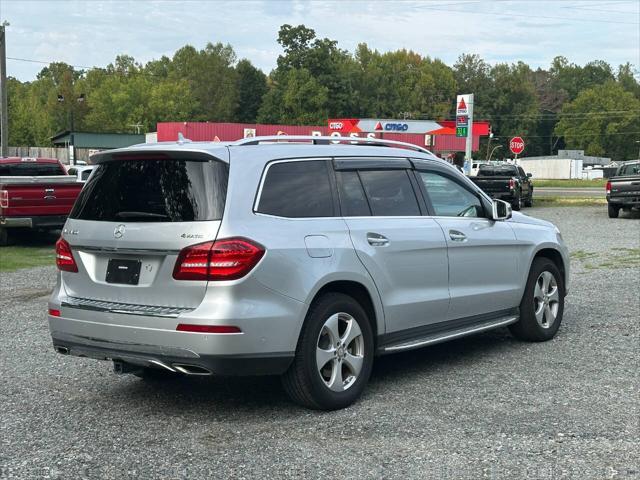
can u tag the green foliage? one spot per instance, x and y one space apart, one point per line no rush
252 86
585 127
567 105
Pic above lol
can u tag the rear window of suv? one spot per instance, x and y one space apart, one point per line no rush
146 190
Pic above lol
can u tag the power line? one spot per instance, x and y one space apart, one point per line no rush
509 14
84 67
569 135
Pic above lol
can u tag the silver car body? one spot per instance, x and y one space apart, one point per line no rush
421 279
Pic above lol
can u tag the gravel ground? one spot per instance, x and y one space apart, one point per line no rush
482 407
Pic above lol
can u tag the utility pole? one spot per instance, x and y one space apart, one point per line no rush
4 119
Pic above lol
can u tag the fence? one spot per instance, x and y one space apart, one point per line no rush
60 153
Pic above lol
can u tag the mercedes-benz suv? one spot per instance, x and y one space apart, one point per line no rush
305 257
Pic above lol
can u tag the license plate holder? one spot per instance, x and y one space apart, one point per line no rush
126 272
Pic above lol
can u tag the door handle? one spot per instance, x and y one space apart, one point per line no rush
457 236
377 240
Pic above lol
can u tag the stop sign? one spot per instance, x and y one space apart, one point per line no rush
516 145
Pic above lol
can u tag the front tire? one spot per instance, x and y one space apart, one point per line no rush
4 237
542 304
334 356
613 211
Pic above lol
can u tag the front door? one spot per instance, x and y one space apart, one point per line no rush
483 267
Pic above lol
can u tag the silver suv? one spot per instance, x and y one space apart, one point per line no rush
304 257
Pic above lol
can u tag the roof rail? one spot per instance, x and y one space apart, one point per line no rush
327 140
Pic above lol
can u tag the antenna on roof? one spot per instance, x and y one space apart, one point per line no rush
181 139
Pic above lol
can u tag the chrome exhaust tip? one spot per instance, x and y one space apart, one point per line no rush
61 350
191 369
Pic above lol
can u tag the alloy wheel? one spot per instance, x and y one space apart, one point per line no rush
546 299
340 352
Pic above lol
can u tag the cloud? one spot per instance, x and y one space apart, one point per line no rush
91 33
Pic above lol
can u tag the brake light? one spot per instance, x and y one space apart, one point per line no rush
64 256
54 312
186 327
512 184
227 259
4 198
608 188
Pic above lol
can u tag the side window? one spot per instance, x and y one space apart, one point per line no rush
389 193
353 202
521 172
449 198
297 189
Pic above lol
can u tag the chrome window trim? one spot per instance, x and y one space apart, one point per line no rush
264 177
125 250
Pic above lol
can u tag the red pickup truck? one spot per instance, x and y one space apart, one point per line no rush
34 193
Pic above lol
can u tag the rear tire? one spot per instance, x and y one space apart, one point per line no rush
542 304
334 356
613 211
529 201
516 204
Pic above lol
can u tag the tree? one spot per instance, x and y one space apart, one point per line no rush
252 86
511 105
627 80
602 121
302 100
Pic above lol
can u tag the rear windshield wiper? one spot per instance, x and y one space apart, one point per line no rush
125 214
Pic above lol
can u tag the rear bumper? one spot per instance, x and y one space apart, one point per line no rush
171 358
626 202
44 221
269 322
507 196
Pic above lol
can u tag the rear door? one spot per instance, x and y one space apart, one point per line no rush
404 252
483 267
132 219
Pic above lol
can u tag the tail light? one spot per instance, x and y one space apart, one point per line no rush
512 184
54 312
227 259
187 327
4 198
64 256
608 188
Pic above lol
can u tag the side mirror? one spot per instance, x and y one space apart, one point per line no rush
501 210
529 175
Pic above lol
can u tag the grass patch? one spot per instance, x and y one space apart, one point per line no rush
617 257
16 258
571 183
568 201
582 254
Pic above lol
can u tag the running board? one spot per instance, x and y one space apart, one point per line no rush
450 335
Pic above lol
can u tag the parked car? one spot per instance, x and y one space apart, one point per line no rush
506 182
81 172
34 193
304 260
623 190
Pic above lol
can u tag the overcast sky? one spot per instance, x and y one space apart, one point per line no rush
92 32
